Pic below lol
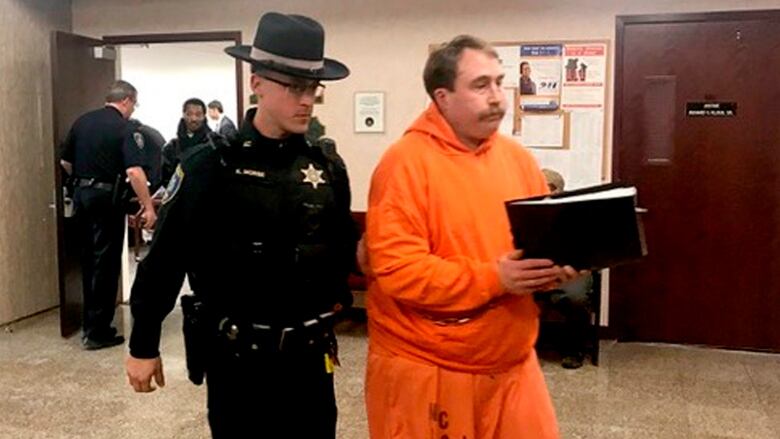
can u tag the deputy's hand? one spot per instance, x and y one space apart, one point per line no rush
524 276
148 218
140 372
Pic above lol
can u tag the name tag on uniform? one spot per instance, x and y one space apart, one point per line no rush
250 172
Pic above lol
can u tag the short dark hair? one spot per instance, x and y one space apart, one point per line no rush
441 69
217 105
121 90
193 101
524 63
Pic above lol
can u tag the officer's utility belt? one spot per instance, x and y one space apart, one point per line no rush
450 319
313 334
91 182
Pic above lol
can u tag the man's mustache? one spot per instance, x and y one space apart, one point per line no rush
489 114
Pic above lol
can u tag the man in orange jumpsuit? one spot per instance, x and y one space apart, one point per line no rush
452 320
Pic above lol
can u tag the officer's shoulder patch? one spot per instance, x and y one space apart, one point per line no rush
174 185
139 139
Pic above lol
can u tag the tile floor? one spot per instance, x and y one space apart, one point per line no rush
50 388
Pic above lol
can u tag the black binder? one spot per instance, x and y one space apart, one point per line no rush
590 229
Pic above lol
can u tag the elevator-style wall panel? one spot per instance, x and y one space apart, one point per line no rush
28 268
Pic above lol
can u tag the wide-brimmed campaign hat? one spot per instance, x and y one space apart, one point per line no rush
290 44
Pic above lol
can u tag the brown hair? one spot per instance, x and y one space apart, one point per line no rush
441 69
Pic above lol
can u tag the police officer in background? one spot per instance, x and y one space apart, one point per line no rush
101 151
264 222
153 142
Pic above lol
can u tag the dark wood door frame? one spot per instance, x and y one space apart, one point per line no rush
622 21
189 37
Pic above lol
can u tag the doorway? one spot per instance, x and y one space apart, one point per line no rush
80 79
696 130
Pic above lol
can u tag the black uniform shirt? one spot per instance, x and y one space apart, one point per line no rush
152 153
102 144
264 226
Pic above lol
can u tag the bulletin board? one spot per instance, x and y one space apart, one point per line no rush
556 93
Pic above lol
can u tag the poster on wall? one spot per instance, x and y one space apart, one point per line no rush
556 108
584 80
539 123
540 70
370 112
543 131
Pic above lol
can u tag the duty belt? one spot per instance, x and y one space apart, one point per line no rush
305 333
91 182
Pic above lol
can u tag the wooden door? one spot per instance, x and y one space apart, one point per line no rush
709 178
79 84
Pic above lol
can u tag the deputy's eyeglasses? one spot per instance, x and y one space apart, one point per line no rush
300 89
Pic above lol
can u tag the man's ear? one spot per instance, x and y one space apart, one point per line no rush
441 97
255 82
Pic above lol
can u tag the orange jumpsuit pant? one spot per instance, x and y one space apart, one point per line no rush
406 399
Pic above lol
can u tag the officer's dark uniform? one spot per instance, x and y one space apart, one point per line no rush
101 145
152 152
266 227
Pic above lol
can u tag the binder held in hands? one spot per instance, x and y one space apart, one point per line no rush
590 229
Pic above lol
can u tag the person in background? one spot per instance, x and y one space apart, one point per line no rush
152 151
222 124
102 151
573 300
192 130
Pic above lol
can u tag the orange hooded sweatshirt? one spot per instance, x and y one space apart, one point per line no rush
436 226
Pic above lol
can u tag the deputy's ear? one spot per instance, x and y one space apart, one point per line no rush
255 82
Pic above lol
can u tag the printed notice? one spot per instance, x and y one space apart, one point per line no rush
369 112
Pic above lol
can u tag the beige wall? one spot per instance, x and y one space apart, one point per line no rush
385 43
28 272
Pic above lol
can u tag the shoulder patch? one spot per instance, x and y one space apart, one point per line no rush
173 185
139 139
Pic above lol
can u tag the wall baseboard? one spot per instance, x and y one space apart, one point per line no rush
17 320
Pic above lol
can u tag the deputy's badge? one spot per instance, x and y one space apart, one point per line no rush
173 185
139 139
313 176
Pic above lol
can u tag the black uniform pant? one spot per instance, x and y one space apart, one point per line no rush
271 395
101 231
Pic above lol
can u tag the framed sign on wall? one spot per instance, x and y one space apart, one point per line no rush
370 112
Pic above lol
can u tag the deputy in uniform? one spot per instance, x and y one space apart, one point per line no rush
264 222
101 151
